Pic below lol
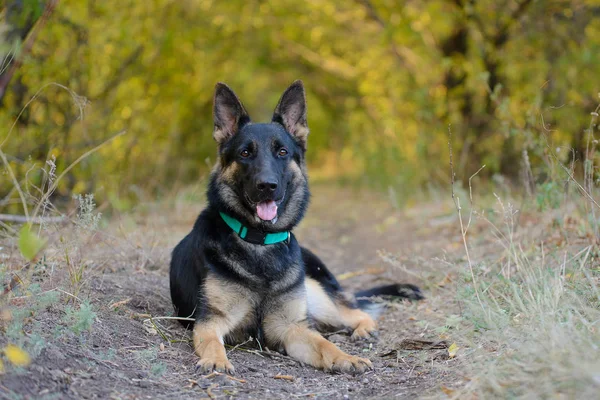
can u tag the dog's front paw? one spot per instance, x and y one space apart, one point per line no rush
207 364
365 330
350 364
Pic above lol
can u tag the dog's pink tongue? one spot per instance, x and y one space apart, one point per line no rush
266 210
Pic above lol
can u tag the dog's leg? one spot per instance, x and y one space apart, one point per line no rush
285 323
208 344
328 304
336 311
225 307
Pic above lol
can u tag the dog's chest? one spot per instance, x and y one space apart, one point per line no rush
265 268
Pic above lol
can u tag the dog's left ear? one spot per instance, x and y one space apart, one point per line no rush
291 112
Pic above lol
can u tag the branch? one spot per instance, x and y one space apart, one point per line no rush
22 219
501 37
6 78
405 56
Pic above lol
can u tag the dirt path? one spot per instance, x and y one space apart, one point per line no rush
124 356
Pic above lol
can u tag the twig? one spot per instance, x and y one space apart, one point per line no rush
581 188
239 345
366 271
22 219
15 183
471 196
276 355
160 332
284 377
73 164
463 231
216 373
174 318
120 303
26 48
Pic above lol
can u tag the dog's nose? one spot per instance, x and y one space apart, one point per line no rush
267 185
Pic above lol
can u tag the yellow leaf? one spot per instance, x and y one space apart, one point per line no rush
17 356
452 350
1 367
449 392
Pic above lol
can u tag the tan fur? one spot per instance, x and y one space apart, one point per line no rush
300 131
298 171
220 135
360 321
334 313
208 345
286 324
228 174
310 347
230 306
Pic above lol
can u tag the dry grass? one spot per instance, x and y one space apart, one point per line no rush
530 294
533 331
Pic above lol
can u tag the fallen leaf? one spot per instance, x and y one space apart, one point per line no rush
449 392
447 279
161 347
30 244
366 271
1 367
150 330
452 350
14 282
17 356
5 315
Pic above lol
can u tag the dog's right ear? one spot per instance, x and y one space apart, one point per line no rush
228 112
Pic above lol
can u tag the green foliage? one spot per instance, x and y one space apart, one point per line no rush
73 245
548 195
149 359
384 80
30 244
87 218
80 320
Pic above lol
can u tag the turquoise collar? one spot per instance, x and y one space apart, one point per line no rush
255 236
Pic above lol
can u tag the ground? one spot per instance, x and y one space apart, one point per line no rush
124 355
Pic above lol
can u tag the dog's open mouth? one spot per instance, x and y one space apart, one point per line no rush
267 210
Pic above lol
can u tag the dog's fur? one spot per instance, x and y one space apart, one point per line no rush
277 293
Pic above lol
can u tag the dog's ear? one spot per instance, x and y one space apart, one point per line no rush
291 112
228 112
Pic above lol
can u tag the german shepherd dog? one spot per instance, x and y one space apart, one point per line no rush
241 272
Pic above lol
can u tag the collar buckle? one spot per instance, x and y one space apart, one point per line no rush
255 236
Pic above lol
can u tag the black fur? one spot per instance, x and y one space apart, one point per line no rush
397 290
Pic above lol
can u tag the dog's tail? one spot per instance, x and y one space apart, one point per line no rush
391 292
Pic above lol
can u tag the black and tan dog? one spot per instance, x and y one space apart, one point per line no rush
241 272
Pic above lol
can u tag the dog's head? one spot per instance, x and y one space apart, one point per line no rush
260 177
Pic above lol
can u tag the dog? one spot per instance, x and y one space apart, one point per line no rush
241 272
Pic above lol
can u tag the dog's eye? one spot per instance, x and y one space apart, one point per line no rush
245 153
283 152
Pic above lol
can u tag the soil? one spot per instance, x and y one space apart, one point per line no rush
126 356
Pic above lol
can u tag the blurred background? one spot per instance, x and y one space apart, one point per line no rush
385 80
